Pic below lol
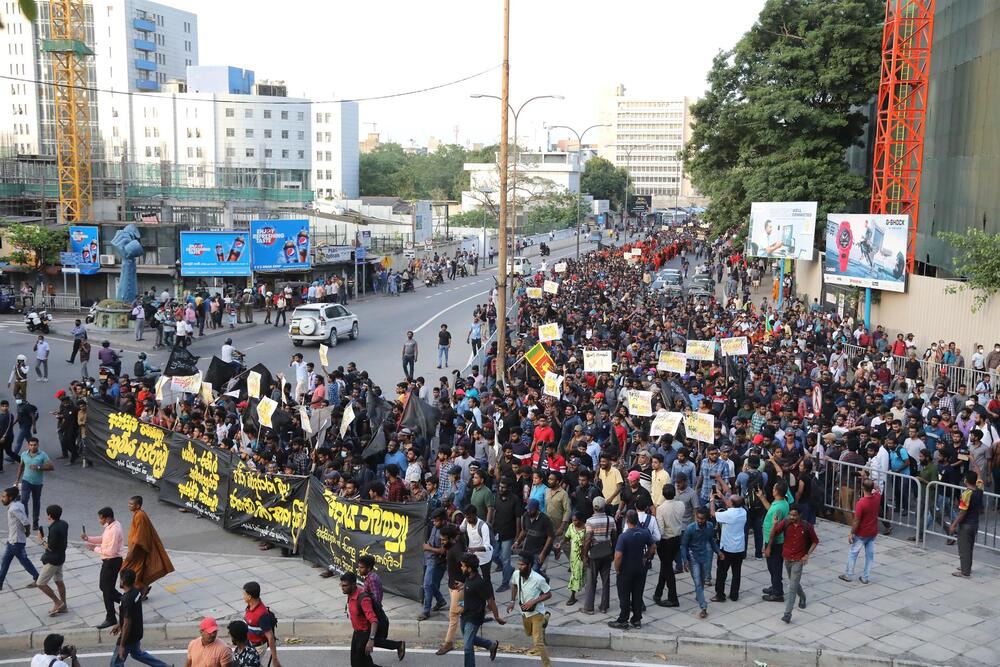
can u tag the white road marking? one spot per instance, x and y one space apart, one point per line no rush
445 310
422 651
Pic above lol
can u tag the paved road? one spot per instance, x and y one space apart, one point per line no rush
322 656
384 321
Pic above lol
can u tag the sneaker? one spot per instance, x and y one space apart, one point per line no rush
863 580
773 598
668 603
618 625
423 616
844 577
493 651
438 606
787 618
766 591
802 602
708 582
718 598
703 613
636 625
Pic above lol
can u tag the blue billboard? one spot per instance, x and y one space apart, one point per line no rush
215 254
84 240
280 245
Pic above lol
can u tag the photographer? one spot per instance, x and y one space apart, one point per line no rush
55 654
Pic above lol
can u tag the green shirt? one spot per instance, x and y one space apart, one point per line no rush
34 476
481 499
777 512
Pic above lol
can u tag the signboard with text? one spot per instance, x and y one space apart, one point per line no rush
215 254
85 240
280 245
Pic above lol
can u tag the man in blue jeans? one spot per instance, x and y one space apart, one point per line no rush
444 344
697 548
17 532
30 475
434 565
129 627
477 593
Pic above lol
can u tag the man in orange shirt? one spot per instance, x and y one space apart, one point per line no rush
208 650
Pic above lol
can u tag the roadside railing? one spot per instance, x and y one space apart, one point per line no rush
942 506
930 371
55 301
479 359
902 495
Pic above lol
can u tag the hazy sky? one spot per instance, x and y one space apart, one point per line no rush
333 49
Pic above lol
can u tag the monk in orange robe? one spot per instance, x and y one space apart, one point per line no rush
146 555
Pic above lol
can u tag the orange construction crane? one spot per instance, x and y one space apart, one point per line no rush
902 111
72 109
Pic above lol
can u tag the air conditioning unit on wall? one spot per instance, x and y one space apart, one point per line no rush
107 260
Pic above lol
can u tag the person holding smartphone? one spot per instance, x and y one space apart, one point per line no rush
53 559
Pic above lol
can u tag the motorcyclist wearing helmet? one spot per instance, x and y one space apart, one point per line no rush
18 381
109 358
145 370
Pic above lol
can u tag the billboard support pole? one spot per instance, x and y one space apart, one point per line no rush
781 284
868 308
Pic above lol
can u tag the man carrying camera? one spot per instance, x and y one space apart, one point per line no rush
55 654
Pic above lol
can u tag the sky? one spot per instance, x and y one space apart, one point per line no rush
336 49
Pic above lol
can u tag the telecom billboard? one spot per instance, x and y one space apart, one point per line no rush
865 250
215 254
280 245
782 229
85 241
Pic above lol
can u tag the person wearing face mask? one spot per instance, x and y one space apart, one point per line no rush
993 358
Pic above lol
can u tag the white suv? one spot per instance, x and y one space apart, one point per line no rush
323 323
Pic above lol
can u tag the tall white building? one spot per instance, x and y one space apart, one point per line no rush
538 173
646 137
138 46
335 151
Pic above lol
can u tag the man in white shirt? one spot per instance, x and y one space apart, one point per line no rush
42 359
301 376
670 525
55 654
732 544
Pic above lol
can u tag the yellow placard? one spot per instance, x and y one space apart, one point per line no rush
700 426
547 332
640 403
206 392
701 350
345 423
304 419
550 287
665 423
190 384
553 384
734 347
253 384
534 292
597 361
265 409
323 358
672 362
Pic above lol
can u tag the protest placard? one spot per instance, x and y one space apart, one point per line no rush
665 423
700 426
550 287
553 384
672 362
640 403
701 350
534 292
734 347
597 361
548 332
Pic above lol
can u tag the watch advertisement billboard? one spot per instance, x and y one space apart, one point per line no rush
782 229
215 254
280 245
85 241
865 250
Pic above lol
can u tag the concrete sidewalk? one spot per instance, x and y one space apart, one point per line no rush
913 609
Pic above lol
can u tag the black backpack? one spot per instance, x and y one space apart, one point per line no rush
755 481
383 620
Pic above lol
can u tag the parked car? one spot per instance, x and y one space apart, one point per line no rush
322 323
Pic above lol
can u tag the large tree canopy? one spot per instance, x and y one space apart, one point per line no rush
603 180
782 108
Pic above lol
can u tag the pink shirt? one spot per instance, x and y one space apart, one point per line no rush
109 544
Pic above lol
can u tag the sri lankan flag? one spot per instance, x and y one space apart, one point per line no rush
539 360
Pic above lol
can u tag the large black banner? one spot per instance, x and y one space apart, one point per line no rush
338 531
197 478
125 443
271 508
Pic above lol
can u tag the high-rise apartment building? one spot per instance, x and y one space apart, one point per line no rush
335 150
646 137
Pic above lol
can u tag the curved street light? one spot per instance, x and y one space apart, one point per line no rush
579 189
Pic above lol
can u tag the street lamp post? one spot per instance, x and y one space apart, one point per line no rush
517 155
579 189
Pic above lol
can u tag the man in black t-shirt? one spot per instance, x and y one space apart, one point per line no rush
129 628
453 551
444 344
507 510
536 535
477 593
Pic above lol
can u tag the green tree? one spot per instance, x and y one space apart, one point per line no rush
28 8
782 108
472 219
977 259
381 171
35 246
605 181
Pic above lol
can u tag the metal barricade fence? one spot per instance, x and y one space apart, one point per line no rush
902 495
480 357
942 506
929 371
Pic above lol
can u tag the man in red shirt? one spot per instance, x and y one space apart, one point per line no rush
260 621
549 460
800 541
364 621
543 434
864 530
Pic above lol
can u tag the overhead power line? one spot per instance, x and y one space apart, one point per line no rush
387 96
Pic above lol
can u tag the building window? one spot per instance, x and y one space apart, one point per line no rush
149 151
327 136
248 113
326 118
230 151
284 134
199 152
329 156
302 135
249 152
187 45
319 117
230 112
230 132
190 152
267 152
249 133
267 134
284 152
319 137
319 174
267 113
302 155
319 155
302 115
284 115
329 174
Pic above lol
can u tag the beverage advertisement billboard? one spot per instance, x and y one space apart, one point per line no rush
782 229
84 240
280 245
865 250
215 254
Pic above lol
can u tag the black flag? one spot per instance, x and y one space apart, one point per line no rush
376 446
181 363
420 416
219 373
377 408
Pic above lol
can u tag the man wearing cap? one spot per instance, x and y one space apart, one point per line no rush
208 650
635 547
537 534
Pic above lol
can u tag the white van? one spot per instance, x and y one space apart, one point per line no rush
519 266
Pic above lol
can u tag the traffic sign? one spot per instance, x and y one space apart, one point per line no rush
71 258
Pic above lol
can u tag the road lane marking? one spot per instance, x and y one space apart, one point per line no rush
445 310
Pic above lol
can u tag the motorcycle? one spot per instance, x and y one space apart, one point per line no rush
543 250
37 320
92 314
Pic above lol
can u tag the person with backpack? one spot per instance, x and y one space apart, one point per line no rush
368 620
261 622
800 541
749 481
372 585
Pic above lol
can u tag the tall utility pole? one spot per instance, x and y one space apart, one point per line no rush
502 218
517 155
579 189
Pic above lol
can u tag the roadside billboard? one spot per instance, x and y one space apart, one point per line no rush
865 250
280 245
84 240
782 229
215 254
423 221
